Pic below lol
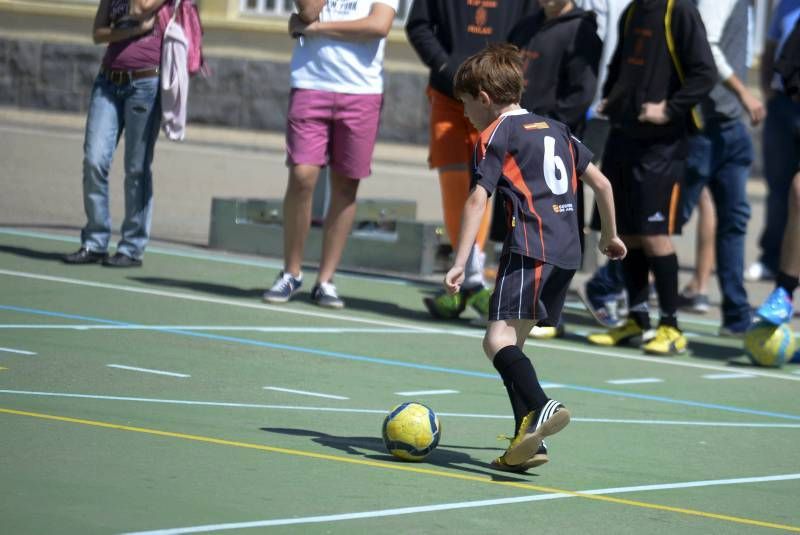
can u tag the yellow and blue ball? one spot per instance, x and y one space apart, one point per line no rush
769 345
411 431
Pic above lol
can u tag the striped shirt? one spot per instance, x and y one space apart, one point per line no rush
534 163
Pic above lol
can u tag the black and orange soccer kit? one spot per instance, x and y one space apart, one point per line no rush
534 163
662 55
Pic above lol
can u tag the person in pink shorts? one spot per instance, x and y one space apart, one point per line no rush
334 111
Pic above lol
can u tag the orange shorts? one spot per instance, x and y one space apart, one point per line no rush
452 136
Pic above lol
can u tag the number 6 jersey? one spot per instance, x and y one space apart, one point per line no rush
534 163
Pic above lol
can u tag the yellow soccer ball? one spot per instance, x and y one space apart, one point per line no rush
769 345
411 431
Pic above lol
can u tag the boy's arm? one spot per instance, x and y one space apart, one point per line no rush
610 244
715 14
376 25
470 223
419 28
309 10
694 53
579 79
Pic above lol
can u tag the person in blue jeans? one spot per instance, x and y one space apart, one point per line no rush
781 149
124 101
721 154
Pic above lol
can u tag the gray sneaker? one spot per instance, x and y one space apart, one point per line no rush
324 294
284 288
692 302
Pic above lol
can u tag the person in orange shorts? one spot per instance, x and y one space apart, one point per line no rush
444 33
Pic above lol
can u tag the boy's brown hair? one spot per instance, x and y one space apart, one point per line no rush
497 70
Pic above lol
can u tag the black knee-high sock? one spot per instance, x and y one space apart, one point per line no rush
665 271
637 272
787 282
517 405
514 367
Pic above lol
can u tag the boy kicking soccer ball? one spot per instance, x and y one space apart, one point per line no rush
534 163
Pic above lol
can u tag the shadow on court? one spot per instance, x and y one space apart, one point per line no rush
441 457
709 351
352 302
35 254
223 290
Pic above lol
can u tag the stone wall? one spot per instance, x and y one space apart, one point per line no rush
239 93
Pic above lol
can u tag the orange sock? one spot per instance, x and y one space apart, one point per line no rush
455 190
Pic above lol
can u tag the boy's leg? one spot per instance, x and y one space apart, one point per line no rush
544 287
338 222
778 306
103 128
307 139
297 204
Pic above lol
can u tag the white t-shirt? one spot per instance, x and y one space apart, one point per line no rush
336 65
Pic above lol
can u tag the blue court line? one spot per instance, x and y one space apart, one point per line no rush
390 362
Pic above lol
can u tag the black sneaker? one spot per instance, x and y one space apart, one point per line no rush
283 289
84 256
324 294
548 420
120 260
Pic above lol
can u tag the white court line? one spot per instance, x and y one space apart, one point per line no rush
18 351
714 376
642 380
564 346
755 425
253 328
464 505
303 392
147 370
427 392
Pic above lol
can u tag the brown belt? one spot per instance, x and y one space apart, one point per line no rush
124 77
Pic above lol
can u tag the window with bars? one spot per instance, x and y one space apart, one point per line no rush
282 8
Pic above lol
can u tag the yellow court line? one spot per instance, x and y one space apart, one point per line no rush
404 468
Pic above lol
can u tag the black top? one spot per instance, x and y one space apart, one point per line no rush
534 163
446 32
561 57
645 68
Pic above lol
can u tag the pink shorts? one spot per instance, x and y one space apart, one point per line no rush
336 129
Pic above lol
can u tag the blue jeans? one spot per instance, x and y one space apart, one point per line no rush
781 142
606 283
133 108
720 158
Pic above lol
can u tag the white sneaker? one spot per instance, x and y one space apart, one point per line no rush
758 272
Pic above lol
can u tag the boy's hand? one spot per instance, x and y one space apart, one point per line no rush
613 247
453 279
654 112
296 26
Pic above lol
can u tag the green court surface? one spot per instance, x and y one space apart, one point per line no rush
170 399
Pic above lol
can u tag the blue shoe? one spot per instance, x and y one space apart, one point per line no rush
283 289
777 308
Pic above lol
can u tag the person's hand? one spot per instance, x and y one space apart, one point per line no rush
613 247
453 279
147 24
755 109
296 26
654 112
601 106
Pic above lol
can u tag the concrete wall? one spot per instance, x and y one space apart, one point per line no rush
240 92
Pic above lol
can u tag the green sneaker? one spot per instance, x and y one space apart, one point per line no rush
480 300
446 306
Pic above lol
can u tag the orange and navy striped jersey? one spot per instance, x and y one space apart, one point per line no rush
534 163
